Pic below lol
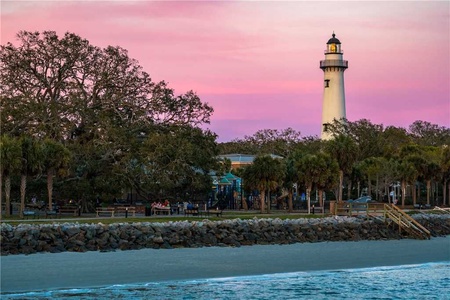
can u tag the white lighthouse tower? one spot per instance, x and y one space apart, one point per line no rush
333 90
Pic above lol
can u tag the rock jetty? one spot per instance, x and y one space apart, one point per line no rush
34 238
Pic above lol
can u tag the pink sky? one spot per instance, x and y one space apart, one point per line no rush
257 63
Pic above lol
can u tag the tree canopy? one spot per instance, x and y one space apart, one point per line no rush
102 106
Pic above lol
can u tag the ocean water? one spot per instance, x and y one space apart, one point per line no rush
422 281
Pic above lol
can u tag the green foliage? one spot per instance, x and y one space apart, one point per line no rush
10 154
427 134
344 150
316 170
266 174
368 153
392 141
104 109
10 163
266 141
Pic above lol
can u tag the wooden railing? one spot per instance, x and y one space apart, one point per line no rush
442 210
390 212
405 222
354 208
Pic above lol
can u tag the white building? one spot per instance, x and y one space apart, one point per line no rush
333 91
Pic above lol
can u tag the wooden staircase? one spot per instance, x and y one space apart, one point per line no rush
405 222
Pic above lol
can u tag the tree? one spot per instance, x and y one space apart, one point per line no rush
407 174
265 174
367 137
372 167
329 177
56 158
39 80
265 141
427 134
445 169
357 176
315 169
392 141
98 102
307 171
430 171
10 158
344 150
31 164
171 162
425 160
290 179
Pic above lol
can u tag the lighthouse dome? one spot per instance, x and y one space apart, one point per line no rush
333 40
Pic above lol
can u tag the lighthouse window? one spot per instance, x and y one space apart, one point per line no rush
327 83
325 127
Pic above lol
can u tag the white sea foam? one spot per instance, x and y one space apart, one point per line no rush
419 281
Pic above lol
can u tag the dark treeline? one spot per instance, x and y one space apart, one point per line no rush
360 158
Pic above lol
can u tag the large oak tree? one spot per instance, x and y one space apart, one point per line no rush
97 102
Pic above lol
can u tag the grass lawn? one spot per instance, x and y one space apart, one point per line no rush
227 215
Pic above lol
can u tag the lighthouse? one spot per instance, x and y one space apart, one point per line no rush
333 67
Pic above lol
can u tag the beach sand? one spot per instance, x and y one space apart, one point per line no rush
48 271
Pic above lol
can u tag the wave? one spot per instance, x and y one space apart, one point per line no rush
418 281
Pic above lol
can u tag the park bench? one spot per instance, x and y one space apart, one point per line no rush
69 209
29 213
217 212
161 211
422 206
105 210
35 206
320 209
51 213
126 210
191 211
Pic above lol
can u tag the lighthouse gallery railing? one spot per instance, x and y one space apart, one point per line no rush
334 63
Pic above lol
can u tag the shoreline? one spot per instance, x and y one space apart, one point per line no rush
49 271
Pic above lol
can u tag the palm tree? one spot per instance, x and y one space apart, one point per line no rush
310 168
429 172
430 169
388 174
31 164
344 150
329 177
426 160
372 167
407 173
413 154
289 180
265 174
56 158
10 158
445 169
418 162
